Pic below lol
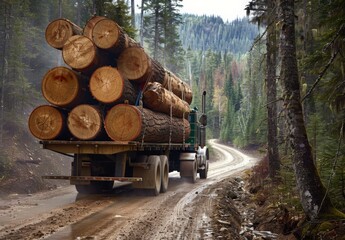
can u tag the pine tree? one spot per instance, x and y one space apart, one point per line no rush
313 195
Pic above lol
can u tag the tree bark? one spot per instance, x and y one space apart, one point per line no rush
271 63
311 191
177 86
59 31
85 122
81 54
63 87
47 123
108 86
161 100
126 122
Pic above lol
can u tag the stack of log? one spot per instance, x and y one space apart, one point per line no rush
109 90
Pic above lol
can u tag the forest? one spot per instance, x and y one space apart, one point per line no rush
275 80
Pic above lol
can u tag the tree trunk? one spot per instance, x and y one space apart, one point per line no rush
47 123
137 66
81 54
312 193
108 35
65 88
87 32
109 87
271 63
161 100
133 12
59 31
85 122
125 122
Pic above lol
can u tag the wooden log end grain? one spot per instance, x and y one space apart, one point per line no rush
134 64
60 86
123 122
80 53
85 122
87 32
46 122
59 31
106 34
106 84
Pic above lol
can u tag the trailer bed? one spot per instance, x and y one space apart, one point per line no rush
109 147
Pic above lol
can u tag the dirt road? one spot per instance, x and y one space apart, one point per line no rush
183 212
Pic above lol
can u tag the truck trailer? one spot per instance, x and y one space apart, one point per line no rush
97 165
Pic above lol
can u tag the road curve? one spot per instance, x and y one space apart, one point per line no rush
183 212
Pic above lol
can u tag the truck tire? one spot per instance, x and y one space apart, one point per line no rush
188 170
164 173
155 174
203 172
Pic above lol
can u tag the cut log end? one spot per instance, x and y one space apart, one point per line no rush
60 86
134 63
46 122
106 84
90 25
106 34
59 31
123 123
79 52
85 122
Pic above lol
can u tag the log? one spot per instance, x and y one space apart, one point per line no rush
85 122
63 87
108 86
161 100
87 32
81 54
125 122
178 87
47 122
59 31
108 35
137 66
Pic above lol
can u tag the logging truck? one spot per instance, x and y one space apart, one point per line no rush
118 113
97 165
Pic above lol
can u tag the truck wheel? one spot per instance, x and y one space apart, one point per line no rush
203 172
188 170
164 173
155 174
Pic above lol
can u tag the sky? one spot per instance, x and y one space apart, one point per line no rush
227 9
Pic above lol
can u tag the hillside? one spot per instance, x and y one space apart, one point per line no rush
212 33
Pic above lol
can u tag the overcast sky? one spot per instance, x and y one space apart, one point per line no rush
227 9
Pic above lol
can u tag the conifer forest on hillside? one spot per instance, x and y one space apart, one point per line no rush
275 80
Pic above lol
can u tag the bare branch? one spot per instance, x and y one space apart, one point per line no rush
321 75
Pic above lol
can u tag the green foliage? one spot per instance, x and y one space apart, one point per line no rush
202 33
119 12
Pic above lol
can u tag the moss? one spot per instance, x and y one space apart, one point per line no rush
331 213
325 226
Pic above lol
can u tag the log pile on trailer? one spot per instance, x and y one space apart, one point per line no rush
109 90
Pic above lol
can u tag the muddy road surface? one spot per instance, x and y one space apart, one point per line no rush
183 212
